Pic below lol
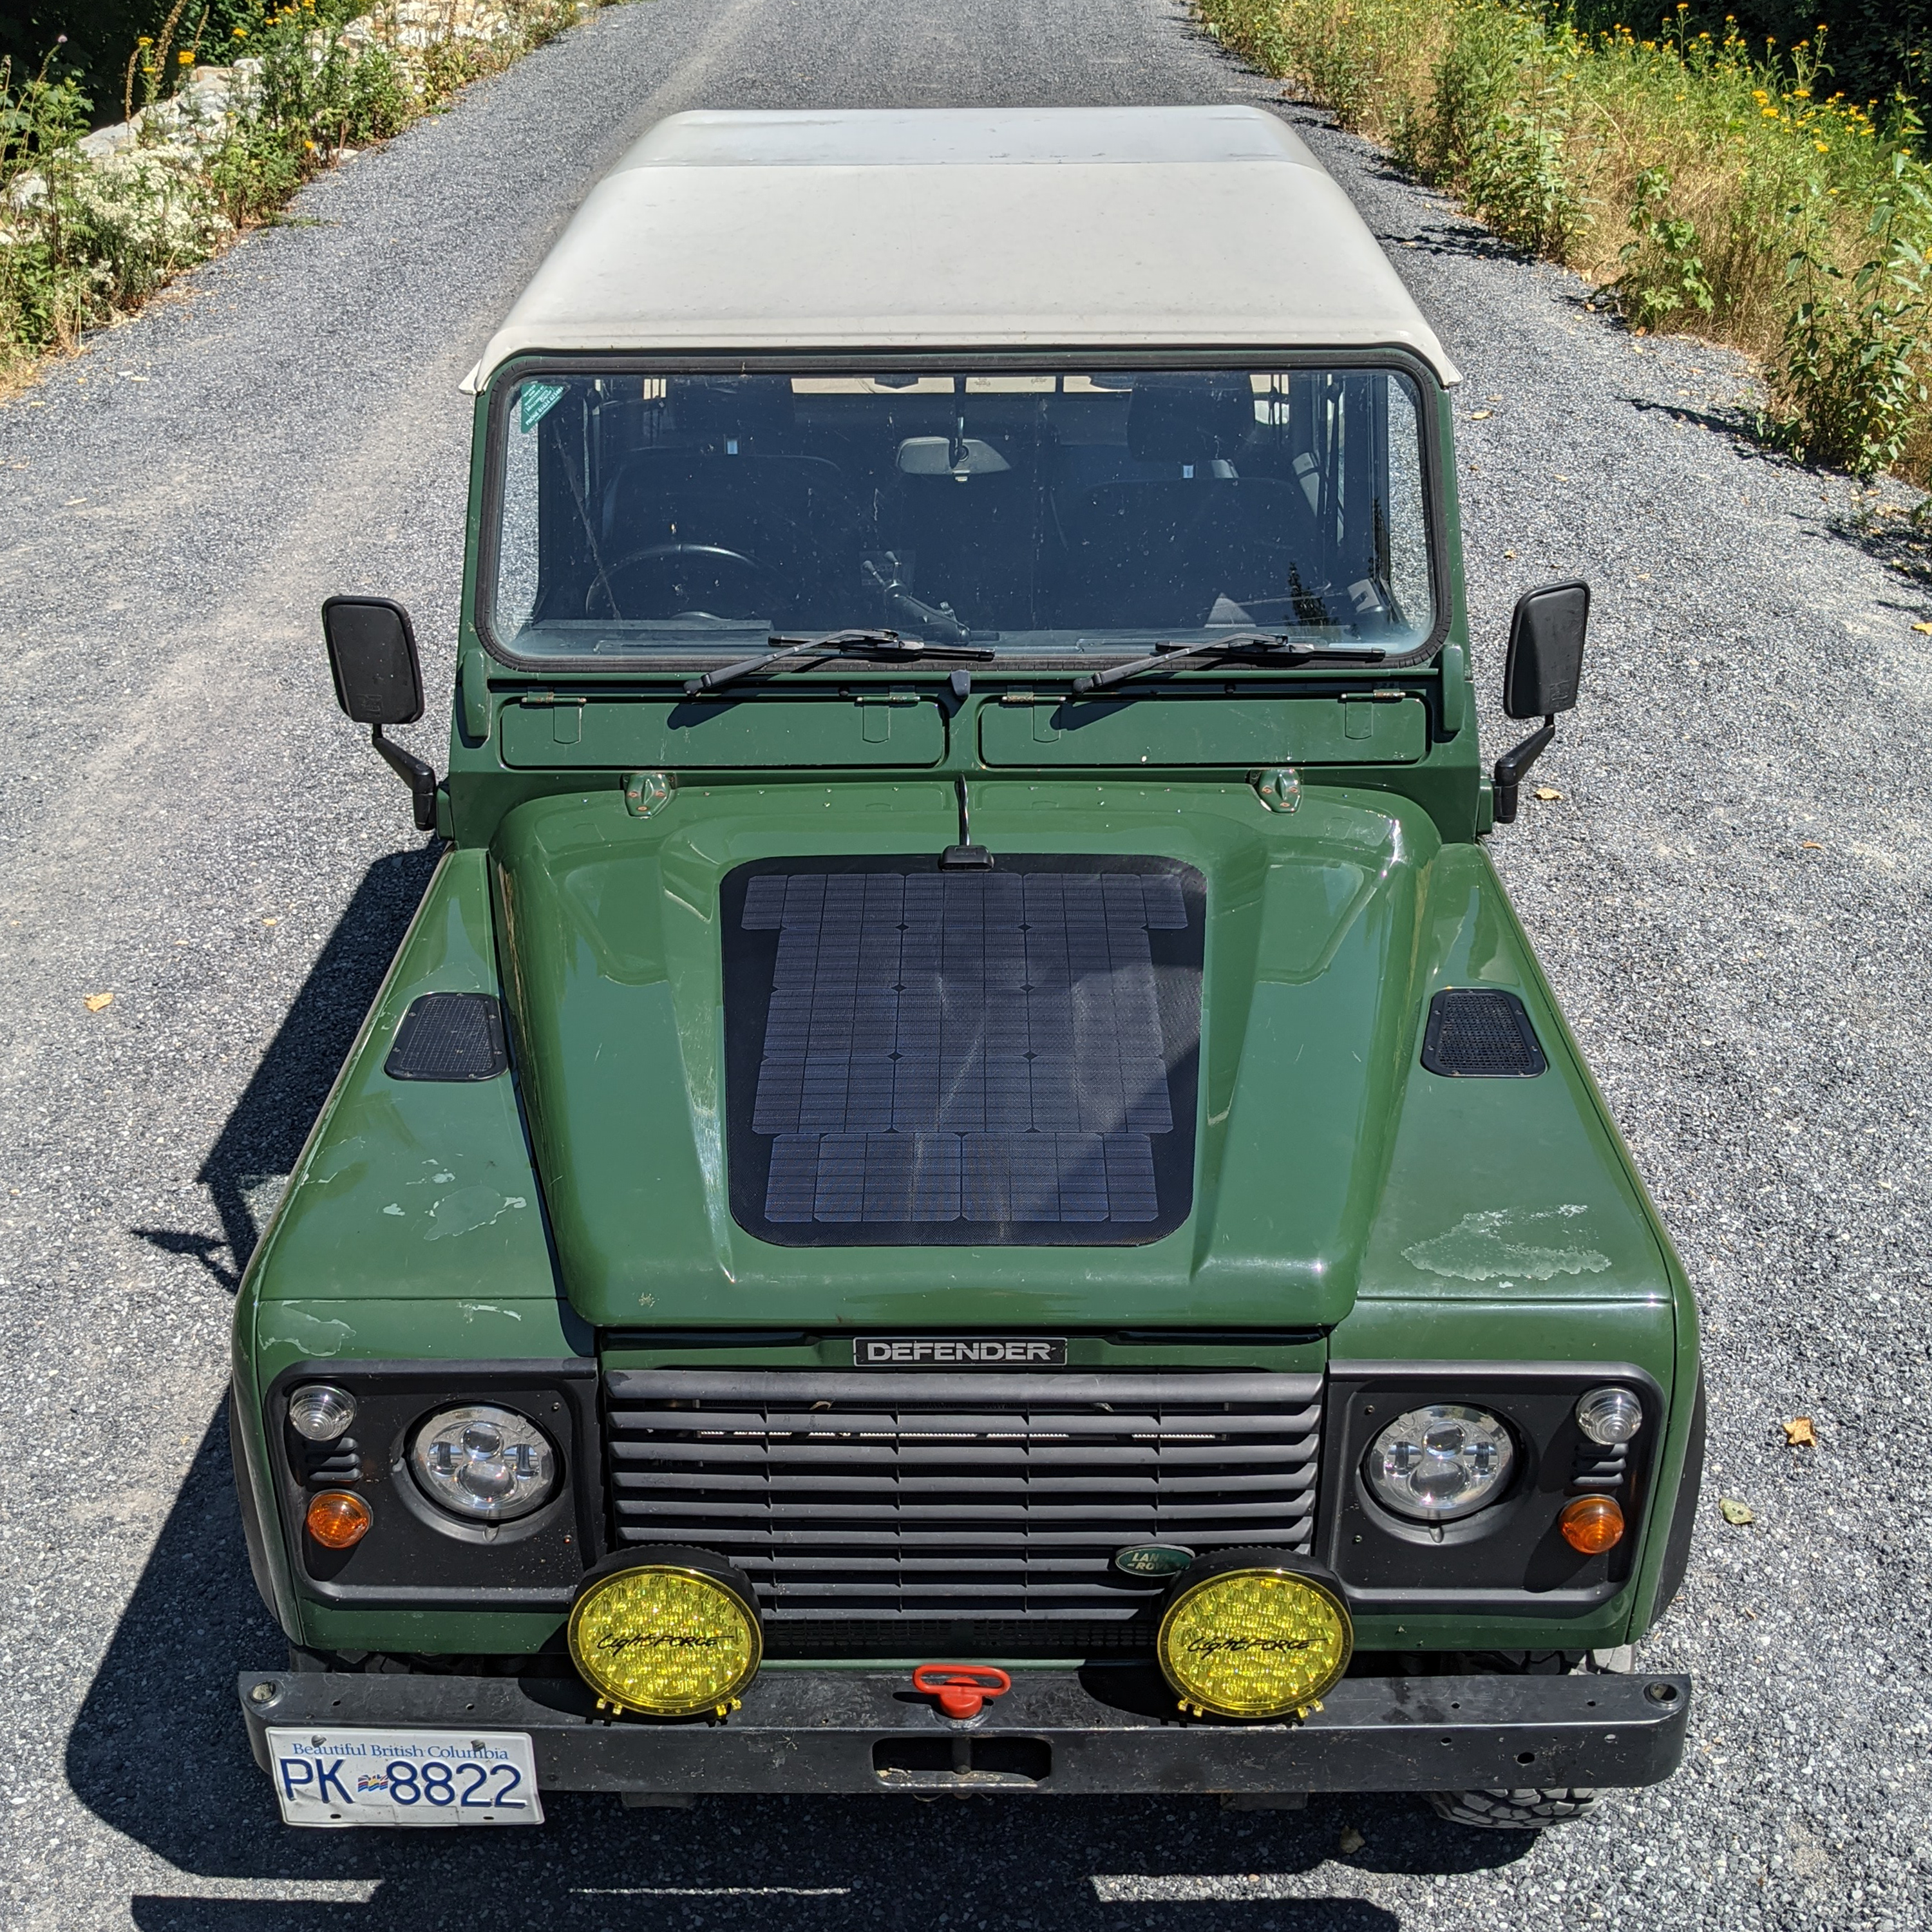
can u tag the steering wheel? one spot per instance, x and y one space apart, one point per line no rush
710 566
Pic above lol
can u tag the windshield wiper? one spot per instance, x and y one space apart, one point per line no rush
1242 644
885 644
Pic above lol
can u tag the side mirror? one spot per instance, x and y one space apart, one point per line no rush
372 656
1546 650
1540 677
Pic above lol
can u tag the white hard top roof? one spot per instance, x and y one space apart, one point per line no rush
968 229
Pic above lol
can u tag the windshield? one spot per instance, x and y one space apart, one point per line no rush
1038 514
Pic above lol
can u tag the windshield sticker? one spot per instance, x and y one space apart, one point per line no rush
534 401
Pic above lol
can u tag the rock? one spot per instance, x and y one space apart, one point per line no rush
116 139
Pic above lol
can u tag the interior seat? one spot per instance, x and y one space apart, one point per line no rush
1179 526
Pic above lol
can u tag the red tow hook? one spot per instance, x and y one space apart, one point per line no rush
961 1688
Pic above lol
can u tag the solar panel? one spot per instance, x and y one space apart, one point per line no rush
916 1055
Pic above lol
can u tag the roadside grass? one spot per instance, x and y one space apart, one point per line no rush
1717 189
86 239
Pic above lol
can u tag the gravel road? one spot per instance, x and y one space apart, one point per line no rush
1730 893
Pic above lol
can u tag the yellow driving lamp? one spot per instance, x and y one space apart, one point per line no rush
1251 1633
669 1635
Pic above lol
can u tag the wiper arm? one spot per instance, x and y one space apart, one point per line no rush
1242 644
886 644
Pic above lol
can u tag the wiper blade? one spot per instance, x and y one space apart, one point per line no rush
886 644
1244 643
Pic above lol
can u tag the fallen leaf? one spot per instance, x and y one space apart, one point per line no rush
1509 552
1799 1433
1549 794
1926 628
1809 845
1735 1512
95 1002
1562 479
271 921
1481 415
1351 1841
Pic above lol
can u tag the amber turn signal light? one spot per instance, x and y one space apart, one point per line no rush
339 1519
1592 1524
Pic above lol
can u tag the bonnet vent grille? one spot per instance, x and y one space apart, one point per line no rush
1481 1033
449 1036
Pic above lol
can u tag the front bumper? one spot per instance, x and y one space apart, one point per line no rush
1104 1729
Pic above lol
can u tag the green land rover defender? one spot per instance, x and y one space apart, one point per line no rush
965 1181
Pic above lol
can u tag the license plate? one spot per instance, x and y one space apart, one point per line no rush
339 1778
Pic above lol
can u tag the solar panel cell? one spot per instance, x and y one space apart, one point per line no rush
983 1050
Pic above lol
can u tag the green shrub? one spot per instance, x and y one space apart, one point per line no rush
82 239
1714 189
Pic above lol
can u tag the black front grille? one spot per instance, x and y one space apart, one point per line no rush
925 1503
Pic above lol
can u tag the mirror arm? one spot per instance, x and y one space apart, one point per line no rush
420 778
1513 764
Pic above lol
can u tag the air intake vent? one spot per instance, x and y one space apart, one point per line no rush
1479 1032
449 1036
1599 1471
903 1504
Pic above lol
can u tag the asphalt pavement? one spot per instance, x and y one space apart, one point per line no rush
1730 892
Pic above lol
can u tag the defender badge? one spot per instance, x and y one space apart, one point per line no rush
1153 1559
959 1351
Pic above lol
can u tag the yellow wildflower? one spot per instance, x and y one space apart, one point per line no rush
185 59
1821 148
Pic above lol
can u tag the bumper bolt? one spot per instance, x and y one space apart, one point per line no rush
264 1693
1660 1693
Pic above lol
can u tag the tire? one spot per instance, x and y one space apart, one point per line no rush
1530 1810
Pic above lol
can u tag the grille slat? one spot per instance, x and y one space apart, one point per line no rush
670 1484
887 1506
1001 1429
710 1453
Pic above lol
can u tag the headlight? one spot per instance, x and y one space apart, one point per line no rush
1609 1416
1250 1641
667 1639
320 1413
483 1464
1436 1464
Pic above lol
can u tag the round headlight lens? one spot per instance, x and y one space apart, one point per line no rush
1609 1416
483 1464
665 1639
1436 1464
320 1413
1254 1643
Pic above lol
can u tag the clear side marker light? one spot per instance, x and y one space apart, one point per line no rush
320 1413
1609 1416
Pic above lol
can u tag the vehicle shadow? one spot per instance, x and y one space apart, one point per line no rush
260 1141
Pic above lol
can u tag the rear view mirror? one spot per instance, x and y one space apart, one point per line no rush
1546 650
372 656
